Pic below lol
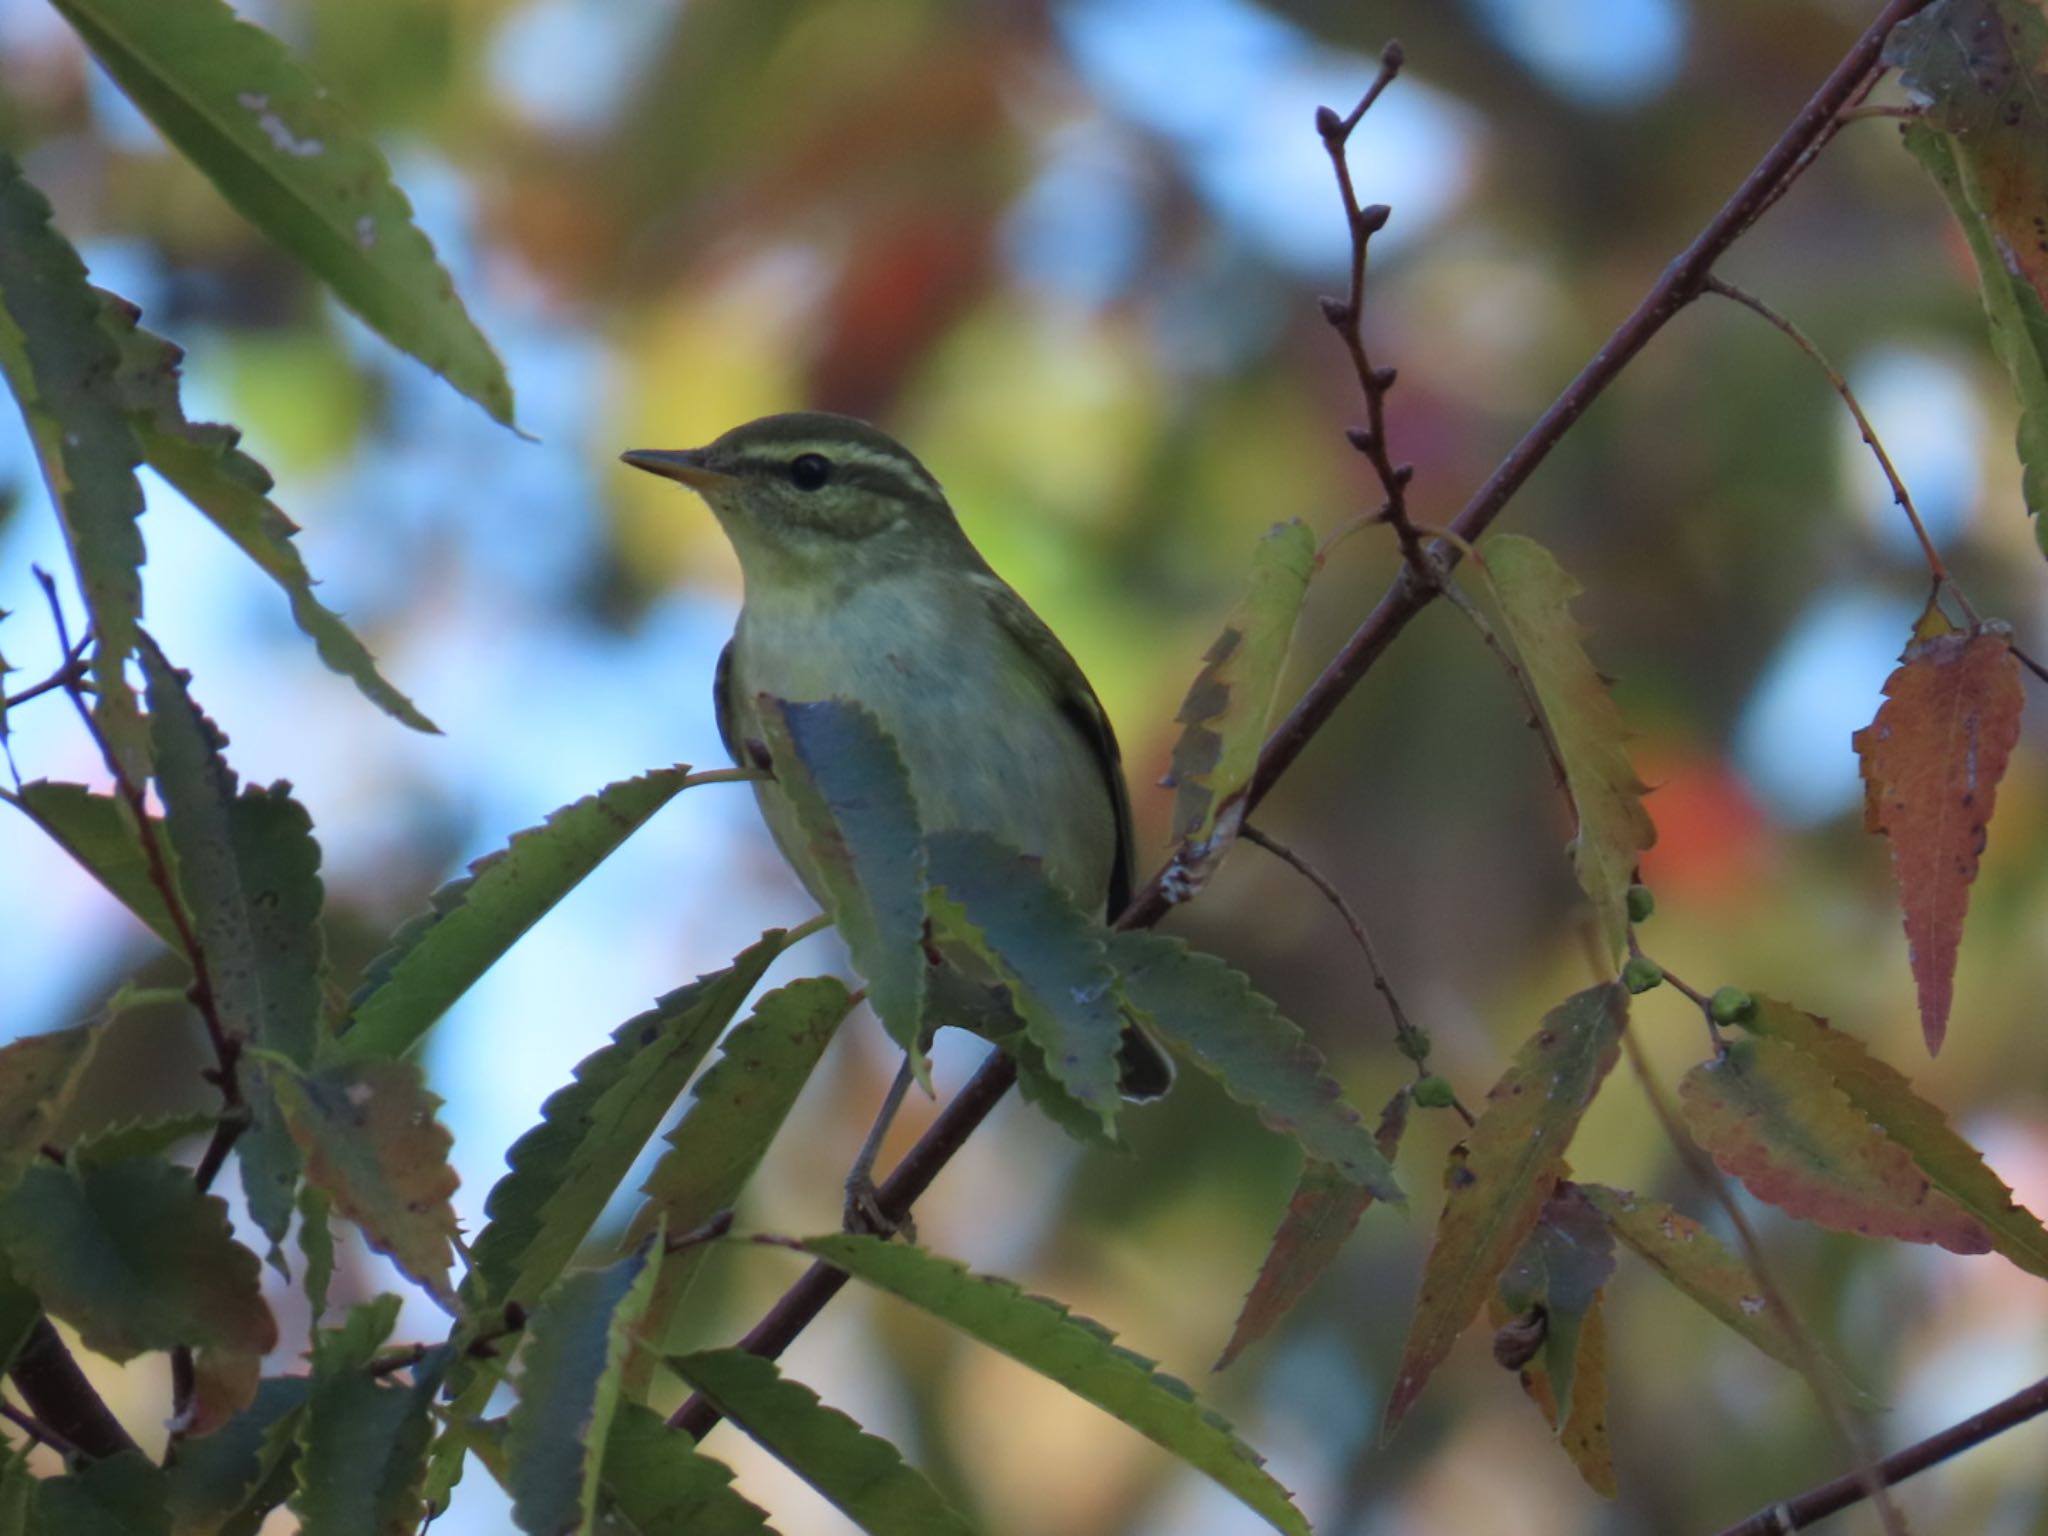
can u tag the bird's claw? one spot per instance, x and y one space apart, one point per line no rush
863 1213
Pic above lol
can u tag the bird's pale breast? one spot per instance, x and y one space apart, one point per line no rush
981 736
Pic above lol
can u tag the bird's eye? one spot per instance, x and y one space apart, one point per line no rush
808 471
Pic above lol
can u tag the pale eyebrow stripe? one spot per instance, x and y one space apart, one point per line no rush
852 461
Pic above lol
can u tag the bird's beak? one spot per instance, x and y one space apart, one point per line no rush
684 464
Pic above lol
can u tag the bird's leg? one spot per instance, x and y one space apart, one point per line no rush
863 1211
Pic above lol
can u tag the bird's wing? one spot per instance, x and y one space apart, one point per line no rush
1078 705
721 701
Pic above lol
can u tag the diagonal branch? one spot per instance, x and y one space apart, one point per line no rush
1683 281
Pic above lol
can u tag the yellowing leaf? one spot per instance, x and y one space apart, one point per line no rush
1535 595
1932 760
1980 70
1772 1117
1583 1435
1499 1178
1223 719
373 1146
1950 1163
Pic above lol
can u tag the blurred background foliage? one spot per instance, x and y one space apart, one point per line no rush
1069 251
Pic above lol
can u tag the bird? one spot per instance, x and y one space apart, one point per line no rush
860 584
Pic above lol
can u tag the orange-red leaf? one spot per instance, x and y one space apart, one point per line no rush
1950 1163
1325 1207
1772 1117
1498 1180
1932 760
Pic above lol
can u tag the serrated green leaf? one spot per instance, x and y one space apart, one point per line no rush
1562 1267
1535 596
316 1247
1949 1163
1259 1056
1977 68
844 782
136 1258
286 155
1773 1117
153 1137
223 1484
372 1145
656 1482
98 831
362 1451
736 1109
471 921
1051 958
1078 1354
1497 1181
60 366
1325 1208
569 1388
38 1075
563 1171
1224 717
203 462
865 1478
124 1495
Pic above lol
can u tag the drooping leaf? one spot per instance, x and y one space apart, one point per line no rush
474 919
316 1247
1259 1056
865 1478
846 785
563 1171
1562 1267
1535 595
38 1074
1223 719
735 1111
1932 760
372 1145
98 831
202 460
655 1482
362 1445
1583 1434
123 1495
1949 1163
569 1390
60 366
1772 1117
224 1484
1977 68
1698 1264
135 1258
1052 958
285 154
1325 1207
1500 1177
152 1137
1080 1355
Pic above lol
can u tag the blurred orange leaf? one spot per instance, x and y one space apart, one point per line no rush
1932 760
1325 1208
1772 1117
1498 1180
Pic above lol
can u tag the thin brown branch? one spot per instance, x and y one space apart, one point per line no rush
59 1395
1679 285
39 1432
1832 1497
1347 317
1900 494
1412 1042
1851 1436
